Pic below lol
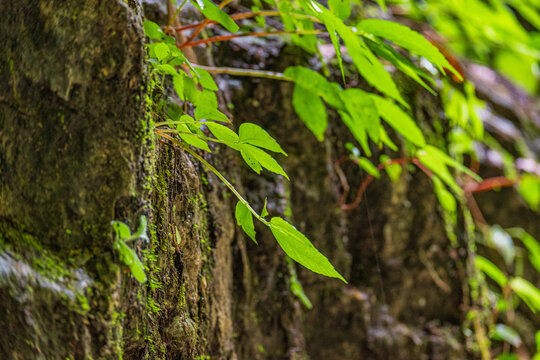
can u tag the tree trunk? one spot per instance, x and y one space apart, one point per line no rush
77 150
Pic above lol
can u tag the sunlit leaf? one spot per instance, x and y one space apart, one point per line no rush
408 39
527 292
506 333
194 140
222 132
211 11
300 249
255 135
245 220
491 270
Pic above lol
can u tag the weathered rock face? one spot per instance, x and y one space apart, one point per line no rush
73 134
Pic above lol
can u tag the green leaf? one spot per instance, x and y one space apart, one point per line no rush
503 243
222 132
207 107
368 167
367 64
178 84
122 230
251 161
388 53
445 197
506 333
363 111
141 231
529 188
530 243
300 249
316 83
357 129
130 258
152 30
162 51
399 120
245 220
255 135
206 80
393 171
408 39
213 12
491 270
167 69
262 157
341 8
527 292
194 140
264 211
311 110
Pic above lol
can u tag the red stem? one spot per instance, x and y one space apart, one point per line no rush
190 43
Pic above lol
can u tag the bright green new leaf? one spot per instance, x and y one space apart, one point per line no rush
393 171
121 229
491 270
255 135
264 211
222 132
196 141
506 333
213 12
341 8
399 120
207 107
245 220
311 110
130 258
527 292
529 188
262 157
152 30
408 39
368 167
438 166
162 51
300 249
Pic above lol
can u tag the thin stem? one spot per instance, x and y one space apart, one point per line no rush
163 123
244 72
190 43
171 18
218 174
202 25
263 13
173 131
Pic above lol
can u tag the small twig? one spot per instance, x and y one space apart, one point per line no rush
190 43
244 72
263 13
202 25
